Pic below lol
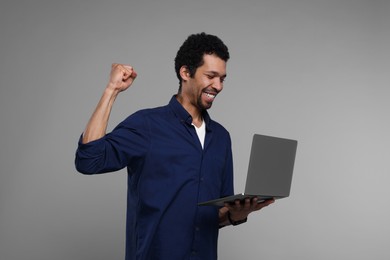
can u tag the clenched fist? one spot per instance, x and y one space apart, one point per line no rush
121 77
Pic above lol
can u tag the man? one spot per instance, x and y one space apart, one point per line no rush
176 156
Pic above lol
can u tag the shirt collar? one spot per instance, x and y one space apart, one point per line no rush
183 115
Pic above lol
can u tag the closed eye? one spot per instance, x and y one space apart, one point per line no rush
221 79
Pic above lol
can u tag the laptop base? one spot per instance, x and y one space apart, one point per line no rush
231 199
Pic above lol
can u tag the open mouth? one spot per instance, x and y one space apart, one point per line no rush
209 96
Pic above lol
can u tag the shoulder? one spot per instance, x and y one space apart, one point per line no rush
143 115
150 112
215 125
219 129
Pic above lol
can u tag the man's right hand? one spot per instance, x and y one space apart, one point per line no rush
121 77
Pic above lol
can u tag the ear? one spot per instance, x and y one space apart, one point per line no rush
184 73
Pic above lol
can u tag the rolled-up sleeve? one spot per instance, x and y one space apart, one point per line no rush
126 144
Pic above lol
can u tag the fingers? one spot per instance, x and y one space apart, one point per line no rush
249 204
262 204
121 77
129 72
126 71
223 211
240 209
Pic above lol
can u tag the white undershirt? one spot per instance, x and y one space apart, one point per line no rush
201 132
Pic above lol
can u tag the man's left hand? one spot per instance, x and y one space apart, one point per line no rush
240 209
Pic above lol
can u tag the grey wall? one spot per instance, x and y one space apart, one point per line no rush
316 71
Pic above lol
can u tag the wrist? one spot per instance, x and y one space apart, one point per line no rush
235 222
112 89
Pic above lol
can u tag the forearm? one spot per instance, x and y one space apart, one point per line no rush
97 124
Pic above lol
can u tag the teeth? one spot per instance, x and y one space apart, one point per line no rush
210 95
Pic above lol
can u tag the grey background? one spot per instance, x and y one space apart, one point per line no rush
316 71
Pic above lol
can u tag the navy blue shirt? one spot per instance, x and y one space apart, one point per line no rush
168 174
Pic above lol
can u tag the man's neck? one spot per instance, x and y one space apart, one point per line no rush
195 112
197 122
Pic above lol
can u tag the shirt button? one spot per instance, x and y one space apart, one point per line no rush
197 228
202 179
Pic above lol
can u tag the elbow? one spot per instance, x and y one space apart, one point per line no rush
84 171
86 167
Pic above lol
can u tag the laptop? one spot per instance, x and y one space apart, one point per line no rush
270 170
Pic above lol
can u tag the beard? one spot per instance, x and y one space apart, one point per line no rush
203 105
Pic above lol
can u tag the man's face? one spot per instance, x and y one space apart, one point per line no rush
207 82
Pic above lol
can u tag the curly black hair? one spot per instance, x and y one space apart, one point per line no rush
194 47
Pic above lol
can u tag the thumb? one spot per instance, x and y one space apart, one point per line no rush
223 211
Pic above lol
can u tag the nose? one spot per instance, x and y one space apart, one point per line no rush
218 84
